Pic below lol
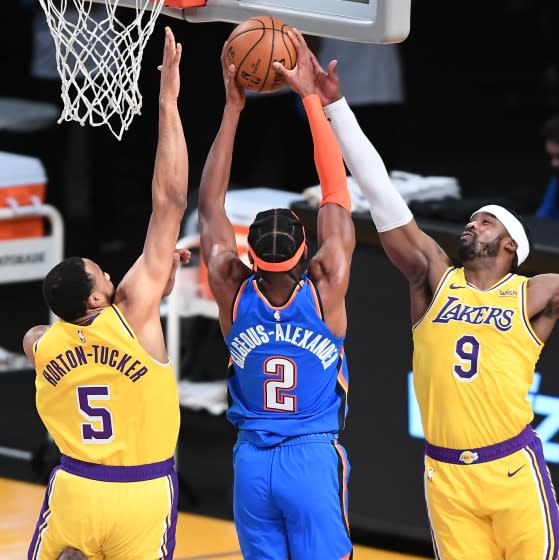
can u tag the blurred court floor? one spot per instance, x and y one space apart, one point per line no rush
198 537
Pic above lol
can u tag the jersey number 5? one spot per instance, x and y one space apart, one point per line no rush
99 429
285 378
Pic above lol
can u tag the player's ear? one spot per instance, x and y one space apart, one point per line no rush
511 246
95 300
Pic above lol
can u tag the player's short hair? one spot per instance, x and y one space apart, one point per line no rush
276 235
66 289
550 129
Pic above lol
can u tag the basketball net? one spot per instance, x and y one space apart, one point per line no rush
99 58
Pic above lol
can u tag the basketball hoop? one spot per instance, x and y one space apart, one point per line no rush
99 56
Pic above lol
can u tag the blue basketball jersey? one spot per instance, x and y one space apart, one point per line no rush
288 373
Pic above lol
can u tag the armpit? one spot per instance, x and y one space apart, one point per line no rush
552 307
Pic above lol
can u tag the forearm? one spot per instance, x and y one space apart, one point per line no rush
170 177
327 156
388 208
217 169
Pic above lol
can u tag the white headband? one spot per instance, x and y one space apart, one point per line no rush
513 226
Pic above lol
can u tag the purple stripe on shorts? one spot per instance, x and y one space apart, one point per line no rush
41 526
106 473
172 529
548 497
481 454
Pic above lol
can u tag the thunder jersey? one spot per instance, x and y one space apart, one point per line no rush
288 374
100 395
473 362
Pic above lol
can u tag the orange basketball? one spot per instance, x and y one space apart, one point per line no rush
254 45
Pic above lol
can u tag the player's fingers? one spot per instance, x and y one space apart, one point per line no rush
303 51
224 51
281 69
316 65
301 38
300 49
178 54
168 38
332 68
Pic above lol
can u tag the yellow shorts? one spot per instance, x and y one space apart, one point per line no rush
501 508
107 520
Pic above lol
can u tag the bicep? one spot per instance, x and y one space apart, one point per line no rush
217 235
226 272
414 253
143 285
336 243
543 296
335 227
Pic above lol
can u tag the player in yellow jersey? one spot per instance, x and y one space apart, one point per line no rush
106 390
478 331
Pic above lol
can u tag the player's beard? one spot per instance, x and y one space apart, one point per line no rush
474 250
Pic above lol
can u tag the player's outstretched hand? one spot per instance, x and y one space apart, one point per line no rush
169 68
301 78
327 81
179 256
234 92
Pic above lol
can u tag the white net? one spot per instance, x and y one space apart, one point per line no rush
99 54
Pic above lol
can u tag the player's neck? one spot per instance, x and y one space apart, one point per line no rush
277 287
484 273
89 317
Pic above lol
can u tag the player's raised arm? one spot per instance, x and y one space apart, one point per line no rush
217 237
414 253
140 292
336 235
543 303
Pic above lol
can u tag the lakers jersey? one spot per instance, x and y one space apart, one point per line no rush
102 397
473 362
288 373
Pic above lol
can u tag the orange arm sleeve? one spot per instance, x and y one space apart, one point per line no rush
327 156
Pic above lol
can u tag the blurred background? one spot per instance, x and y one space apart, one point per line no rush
464 96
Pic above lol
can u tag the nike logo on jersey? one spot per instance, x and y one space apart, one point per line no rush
509 473
453 286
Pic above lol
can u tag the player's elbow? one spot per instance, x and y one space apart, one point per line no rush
176 200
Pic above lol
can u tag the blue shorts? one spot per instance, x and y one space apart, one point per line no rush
290 501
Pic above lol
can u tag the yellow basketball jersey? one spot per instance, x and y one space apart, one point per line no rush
102 397
473 362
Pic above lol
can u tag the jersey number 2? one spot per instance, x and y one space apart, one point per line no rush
99 429
285 378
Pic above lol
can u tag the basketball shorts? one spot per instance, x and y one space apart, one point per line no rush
290 500
111 513
492 503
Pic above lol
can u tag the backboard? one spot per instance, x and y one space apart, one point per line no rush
364 21
99 56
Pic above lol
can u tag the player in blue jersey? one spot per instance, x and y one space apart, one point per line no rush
284 324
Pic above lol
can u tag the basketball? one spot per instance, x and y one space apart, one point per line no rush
253 46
